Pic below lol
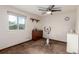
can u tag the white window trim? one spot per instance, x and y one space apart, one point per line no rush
15 14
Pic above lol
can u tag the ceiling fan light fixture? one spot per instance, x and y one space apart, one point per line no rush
50 9
49 12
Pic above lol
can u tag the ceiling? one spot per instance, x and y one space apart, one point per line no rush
34 8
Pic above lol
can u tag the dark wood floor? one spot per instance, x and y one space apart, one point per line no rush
37 47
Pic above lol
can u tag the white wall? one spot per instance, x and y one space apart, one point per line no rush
10 38
59 26
77 20
77 24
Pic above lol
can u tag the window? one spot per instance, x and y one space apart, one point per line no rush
16 22
21 22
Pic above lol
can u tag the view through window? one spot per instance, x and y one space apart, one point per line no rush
16 22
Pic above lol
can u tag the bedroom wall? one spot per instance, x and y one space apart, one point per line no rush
77 20
59 26
9 38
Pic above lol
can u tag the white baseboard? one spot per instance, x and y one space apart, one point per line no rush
14 44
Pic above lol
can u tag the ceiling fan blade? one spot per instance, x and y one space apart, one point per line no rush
43 13
55 10
51 6
42 9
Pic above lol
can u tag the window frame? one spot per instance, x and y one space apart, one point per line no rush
17 22
24 22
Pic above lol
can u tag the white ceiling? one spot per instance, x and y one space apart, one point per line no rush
34 8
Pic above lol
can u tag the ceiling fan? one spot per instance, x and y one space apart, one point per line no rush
49 10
